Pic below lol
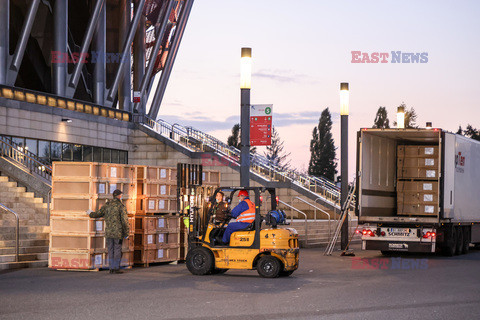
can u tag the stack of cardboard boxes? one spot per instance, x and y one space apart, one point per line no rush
157 233
76 240
417 180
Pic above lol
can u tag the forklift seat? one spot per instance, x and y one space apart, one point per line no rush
250 227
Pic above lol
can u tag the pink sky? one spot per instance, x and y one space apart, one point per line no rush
301 53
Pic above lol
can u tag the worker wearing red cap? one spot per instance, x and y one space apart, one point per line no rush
244 212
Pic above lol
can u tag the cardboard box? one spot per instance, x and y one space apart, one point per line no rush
417 209
408 151
80 260
83 242
429 163
418 186
417 173
420 198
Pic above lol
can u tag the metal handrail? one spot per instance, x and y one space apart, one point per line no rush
259 164
291 218
315 215
25 158
345 209
17 229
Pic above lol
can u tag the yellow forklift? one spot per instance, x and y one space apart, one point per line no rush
273 252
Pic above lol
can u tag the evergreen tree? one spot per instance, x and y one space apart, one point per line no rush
381 119
460 131
235 138
322 149
410 117
275 153
470 132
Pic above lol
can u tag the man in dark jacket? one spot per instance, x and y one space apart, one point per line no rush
116 228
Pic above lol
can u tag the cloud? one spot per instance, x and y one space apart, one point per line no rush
205 123
286 76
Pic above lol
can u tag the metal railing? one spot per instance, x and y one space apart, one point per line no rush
198 141
17 229
315 213
22 156
291 218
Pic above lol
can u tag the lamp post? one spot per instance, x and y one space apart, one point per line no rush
245 85
344 104
401 117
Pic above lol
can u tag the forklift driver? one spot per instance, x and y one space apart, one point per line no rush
219 210
244 212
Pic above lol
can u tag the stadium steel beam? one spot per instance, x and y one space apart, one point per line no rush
162 84
139 53
87 39
126 52
60 39
16 60
160 27
4 41
125 84
99 45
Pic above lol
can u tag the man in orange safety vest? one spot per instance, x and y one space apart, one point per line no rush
244 212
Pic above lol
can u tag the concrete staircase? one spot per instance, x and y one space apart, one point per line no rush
34 229
318 232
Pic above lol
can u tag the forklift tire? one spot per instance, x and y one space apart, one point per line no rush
269 267
200 261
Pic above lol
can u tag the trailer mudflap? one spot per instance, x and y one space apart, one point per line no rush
398 246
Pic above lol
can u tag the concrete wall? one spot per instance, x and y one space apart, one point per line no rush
84 129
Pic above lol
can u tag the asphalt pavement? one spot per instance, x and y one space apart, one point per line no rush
367 286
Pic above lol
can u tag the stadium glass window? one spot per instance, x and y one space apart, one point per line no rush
107 155
77 152
44 150
87 153
66 152
56 151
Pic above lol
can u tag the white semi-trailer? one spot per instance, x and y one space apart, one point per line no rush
418 190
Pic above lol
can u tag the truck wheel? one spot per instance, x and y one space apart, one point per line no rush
269 267
200 261
466 239
459 250
450 242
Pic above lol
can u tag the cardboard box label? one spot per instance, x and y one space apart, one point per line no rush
161 204
431 174
98 260
113 187
428 197
101 188
429 209
428 150
163 173
429 162
163 189
113 172
150 239
99 225
427 186
160 253
151 204
161 238
161 223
